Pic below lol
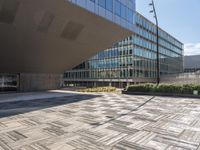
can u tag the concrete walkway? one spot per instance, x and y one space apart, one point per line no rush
103 121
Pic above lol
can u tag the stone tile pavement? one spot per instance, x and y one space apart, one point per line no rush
100 121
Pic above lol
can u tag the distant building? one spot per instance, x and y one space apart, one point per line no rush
132 60
192 63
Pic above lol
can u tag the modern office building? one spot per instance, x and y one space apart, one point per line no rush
40 37
191 63
132 60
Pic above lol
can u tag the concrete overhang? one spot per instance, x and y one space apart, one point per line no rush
50 36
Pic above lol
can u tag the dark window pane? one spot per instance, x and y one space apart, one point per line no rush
102 3
109 5
123 11
129 15
117 8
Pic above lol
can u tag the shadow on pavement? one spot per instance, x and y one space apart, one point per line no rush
23 106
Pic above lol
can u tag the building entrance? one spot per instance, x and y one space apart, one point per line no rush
8 82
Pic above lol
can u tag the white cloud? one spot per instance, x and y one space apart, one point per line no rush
192 48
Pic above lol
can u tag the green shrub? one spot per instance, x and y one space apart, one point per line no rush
168 88
141 88
165 88
99 89
196 87
187 89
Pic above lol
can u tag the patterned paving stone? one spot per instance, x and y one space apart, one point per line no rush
100 121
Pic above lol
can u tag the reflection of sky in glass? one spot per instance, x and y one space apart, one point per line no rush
121 12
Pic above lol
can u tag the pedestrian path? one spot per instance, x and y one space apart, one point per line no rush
102 121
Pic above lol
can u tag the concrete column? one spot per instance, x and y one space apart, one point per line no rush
38 82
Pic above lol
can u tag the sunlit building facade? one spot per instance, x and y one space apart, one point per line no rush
132 60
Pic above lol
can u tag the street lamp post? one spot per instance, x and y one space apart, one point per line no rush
157 35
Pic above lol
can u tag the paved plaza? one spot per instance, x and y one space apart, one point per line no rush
98 121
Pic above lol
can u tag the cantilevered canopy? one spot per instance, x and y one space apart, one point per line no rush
50 36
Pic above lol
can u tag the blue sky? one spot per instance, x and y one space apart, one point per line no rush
180 18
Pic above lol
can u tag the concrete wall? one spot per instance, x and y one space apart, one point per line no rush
51 36
38 82
184 78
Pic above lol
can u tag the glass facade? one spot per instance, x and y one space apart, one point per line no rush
121 12
133 58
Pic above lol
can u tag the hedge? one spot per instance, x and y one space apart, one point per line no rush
99 89
165 88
